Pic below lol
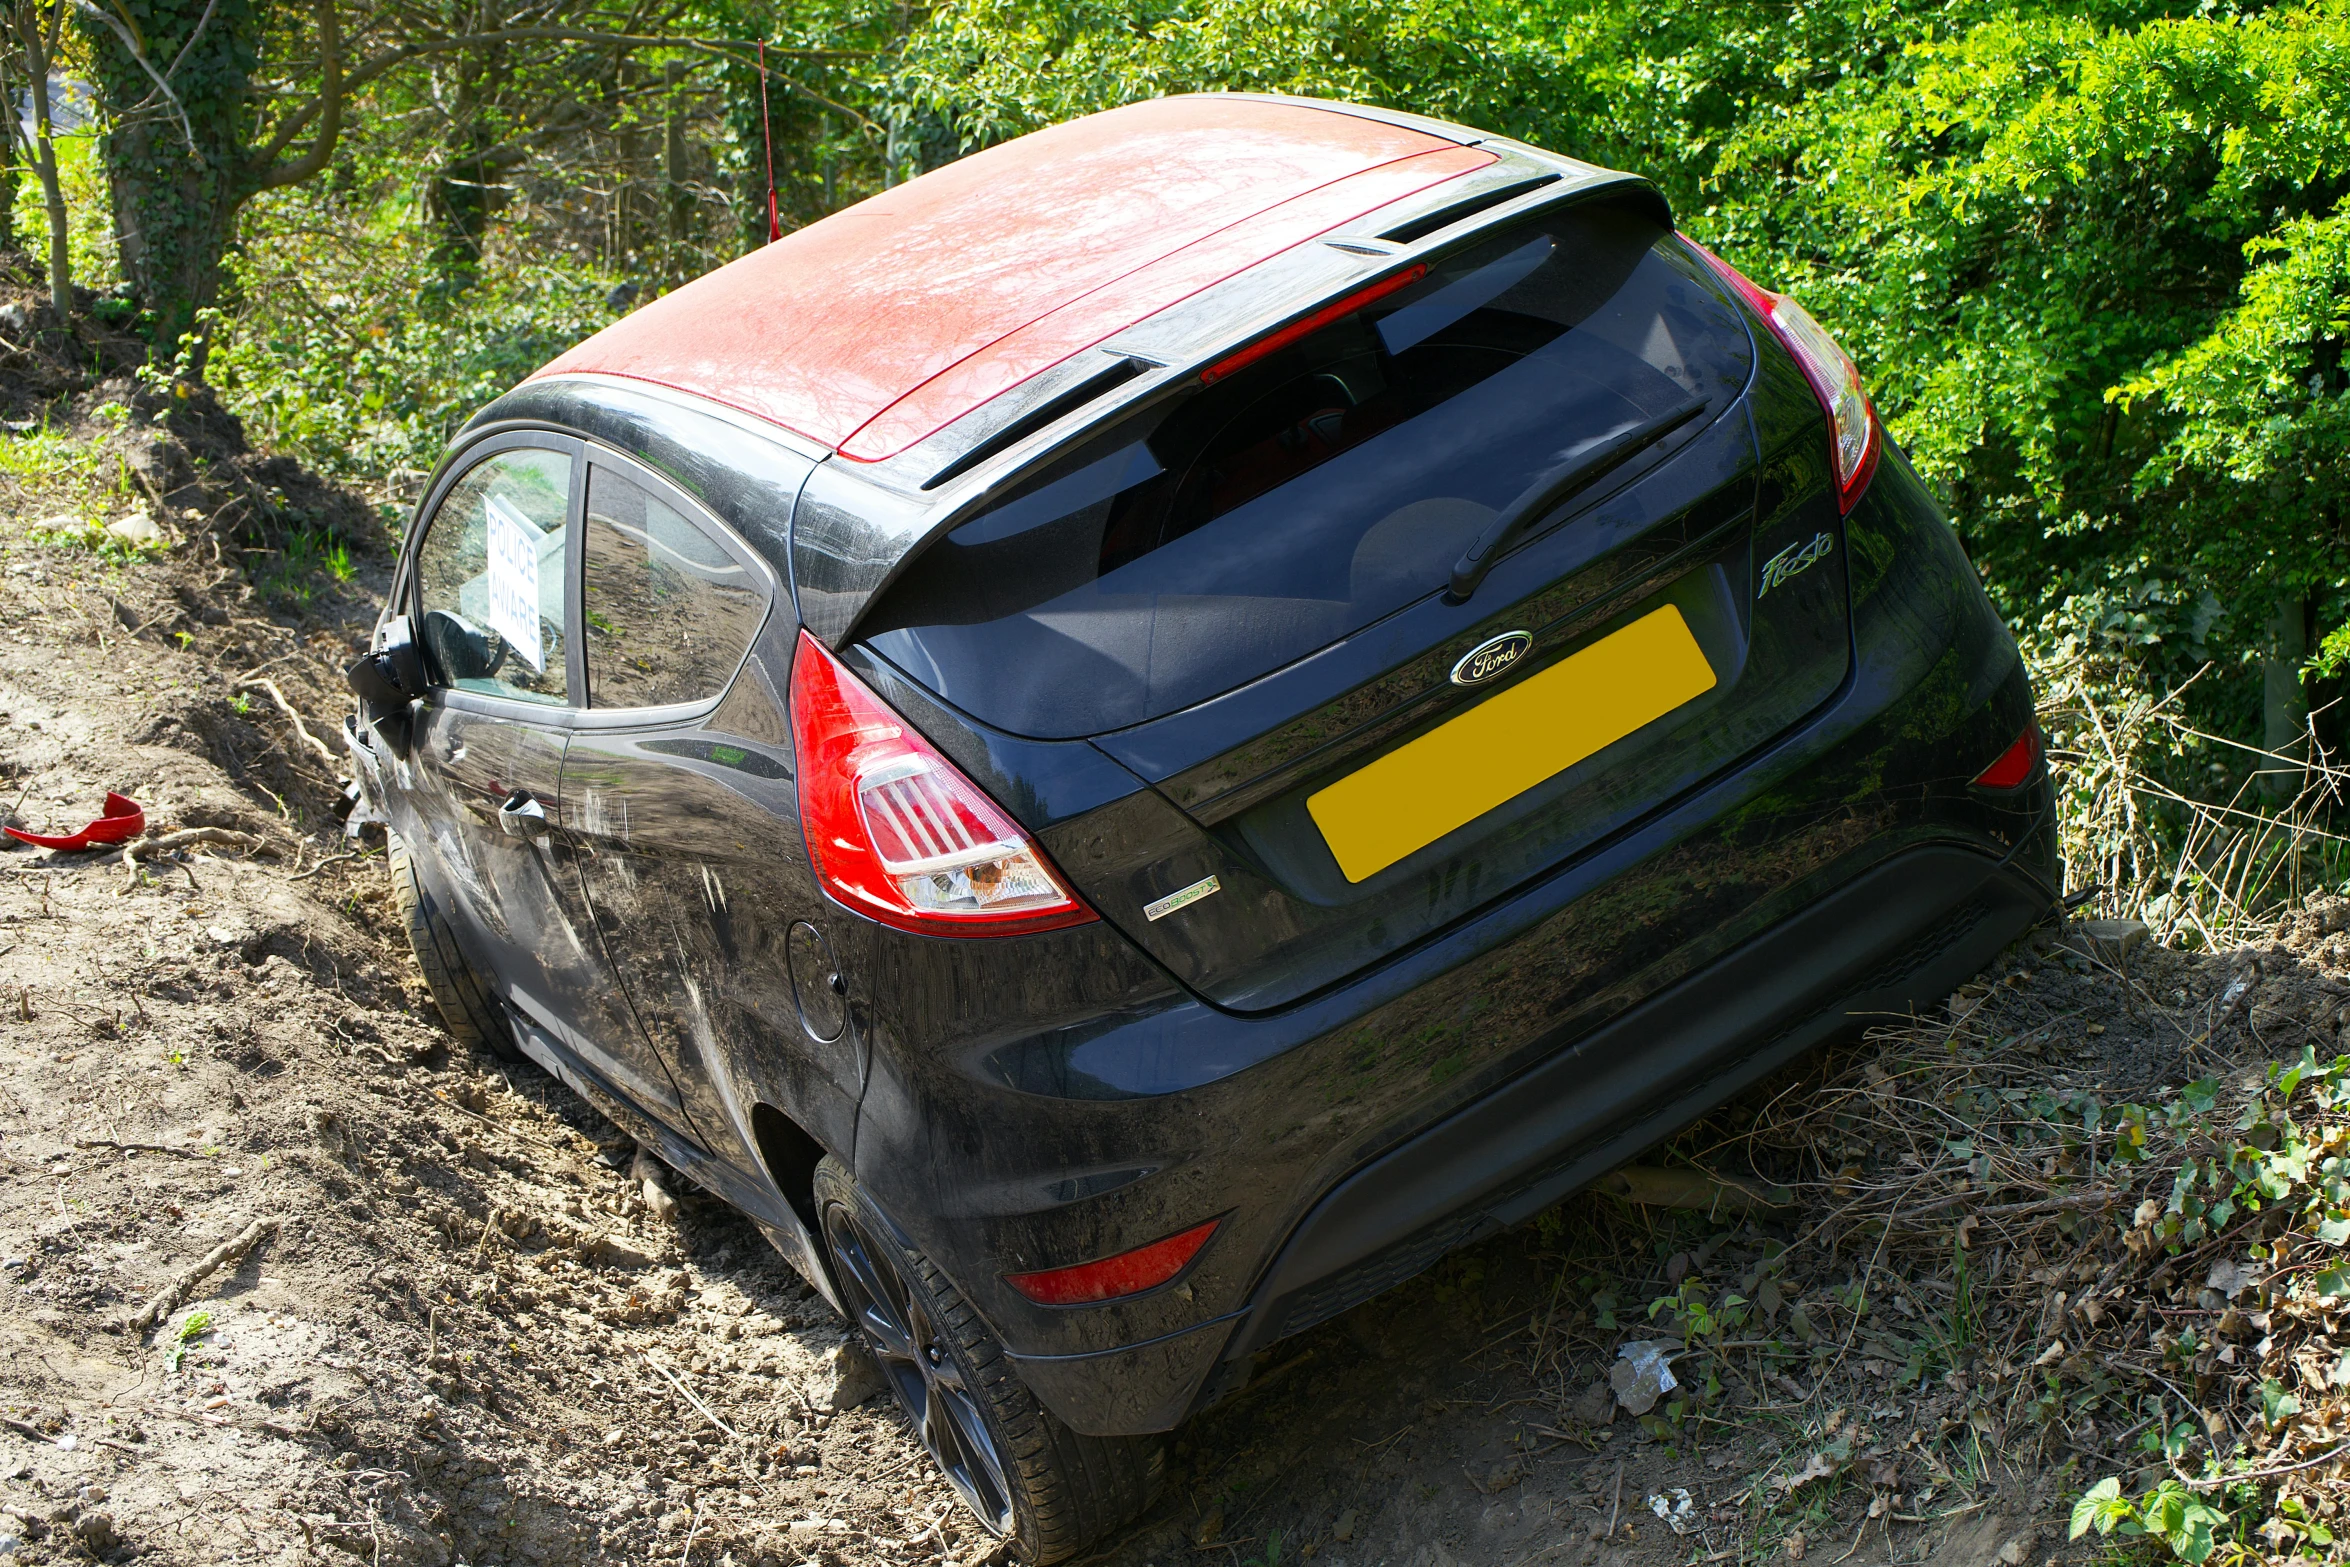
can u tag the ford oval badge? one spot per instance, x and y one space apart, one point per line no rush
1491 658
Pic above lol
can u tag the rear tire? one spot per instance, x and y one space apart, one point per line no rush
1024 1475
469 1012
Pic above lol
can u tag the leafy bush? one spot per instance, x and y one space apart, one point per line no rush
2271 1169
347 348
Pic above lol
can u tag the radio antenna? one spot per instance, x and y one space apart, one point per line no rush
767 131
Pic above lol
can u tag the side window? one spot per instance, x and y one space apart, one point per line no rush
490 578
670 612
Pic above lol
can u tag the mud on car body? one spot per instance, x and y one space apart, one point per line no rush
1130 742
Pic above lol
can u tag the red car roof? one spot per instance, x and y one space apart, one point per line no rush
886 322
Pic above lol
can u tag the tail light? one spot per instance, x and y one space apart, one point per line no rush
1855 434
2014 764
1114 1278
896 833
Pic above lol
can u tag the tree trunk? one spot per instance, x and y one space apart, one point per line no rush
173 217
2284 705
630 231
461 201
7 173
678 199
177 178
38 27
463 192
52 195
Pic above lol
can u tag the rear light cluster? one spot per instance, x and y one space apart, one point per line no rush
896 833
1114 1278
1834 378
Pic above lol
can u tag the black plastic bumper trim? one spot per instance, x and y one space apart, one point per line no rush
1902 934
1139 1388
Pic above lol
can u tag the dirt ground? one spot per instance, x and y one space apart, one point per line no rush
472 1337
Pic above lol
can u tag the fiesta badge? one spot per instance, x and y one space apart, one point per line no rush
1490 659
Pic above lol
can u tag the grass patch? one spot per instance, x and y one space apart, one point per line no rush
297 573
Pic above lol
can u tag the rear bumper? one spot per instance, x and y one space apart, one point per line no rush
1896 938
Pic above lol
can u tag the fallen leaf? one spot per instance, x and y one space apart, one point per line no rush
1820 1467
2230 1279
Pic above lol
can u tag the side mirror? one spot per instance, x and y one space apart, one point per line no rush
387 680
392 676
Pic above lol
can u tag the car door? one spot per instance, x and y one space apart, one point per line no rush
679 780
494 596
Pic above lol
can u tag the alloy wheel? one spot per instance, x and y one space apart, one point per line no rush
916 1359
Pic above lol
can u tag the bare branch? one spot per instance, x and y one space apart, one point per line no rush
330 111
367 71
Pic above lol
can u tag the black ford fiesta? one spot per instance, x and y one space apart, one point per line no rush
1131 741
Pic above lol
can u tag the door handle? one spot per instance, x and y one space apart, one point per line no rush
522 816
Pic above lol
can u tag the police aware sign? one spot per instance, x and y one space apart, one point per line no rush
514 581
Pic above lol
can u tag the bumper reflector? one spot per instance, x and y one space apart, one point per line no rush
1112 1278
2014 764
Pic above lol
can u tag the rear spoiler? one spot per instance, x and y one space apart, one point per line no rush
859 525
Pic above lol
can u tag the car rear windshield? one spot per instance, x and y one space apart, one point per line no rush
1240 527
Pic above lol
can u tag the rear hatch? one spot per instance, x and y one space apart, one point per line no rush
1400 613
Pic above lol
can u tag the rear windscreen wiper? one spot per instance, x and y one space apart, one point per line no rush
1551 488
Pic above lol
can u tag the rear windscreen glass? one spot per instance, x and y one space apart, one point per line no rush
1237 528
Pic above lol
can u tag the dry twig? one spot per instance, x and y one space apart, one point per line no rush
140 848
301 729
168 1298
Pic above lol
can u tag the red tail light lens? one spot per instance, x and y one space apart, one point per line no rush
896 833
2015 763
1112 1278
1834 378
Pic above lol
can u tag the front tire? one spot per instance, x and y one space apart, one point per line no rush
471 1015
1024 1475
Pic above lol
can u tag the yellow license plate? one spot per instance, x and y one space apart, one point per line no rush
1510 742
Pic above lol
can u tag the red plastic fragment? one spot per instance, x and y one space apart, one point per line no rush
124 819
